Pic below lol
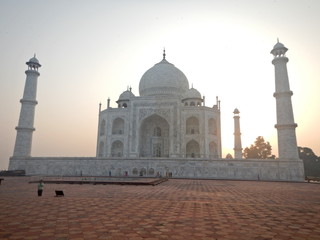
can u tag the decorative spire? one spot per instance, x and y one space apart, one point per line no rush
164 53
108 103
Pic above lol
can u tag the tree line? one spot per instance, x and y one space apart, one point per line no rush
263 150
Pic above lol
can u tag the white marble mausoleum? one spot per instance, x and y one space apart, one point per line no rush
168 120
167 130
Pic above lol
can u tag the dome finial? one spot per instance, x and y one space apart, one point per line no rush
277 39
164 53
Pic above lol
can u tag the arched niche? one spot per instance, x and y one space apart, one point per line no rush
118 126
192 125
154 137
117 149
193 149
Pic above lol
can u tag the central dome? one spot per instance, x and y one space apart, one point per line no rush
163 79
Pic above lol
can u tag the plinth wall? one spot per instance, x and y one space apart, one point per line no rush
241 169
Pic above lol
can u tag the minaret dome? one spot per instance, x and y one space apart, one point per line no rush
33 63
279 50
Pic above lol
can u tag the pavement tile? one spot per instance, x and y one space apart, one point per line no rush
176 209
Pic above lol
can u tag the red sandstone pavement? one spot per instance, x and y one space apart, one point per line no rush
176 209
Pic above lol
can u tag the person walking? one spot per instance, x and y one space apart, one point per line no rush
40 188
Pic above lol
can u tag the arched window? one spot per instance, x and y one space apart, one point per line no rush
212 126
143 172
154 137
118 126
135 171
124 105
192 104
186 103
192 125
157 132
117 149
102 127
151 171
193 149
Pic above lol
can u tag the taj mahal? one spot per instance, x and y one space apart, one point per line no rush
168 119
167 130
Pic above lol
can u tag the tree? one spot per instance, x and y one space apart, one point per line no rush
311 162
260 150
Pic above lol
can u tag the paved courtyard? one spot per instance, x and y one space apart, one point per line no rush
176 209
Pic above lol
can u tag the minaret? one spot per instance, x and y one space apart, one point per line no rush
287 142
237 135
22 147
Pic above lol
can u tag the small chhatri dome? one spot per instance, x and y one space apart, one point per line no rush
33 62
278 45
279 49
192 93
163 79
236 111
126 95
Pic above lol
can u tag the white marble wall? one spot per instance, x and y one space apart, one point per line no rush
244 169
173 112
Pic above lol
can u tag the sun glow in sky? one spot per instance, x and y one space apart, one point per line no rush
92 50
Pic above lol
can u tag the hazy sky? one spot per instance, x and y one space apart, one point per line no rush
92 50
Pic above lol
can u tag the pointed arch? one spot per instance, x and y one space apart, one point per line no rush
154 137
135 172
192 125
143 172
118 126
117 149
193 149
151 172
